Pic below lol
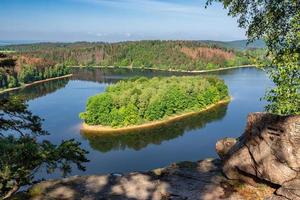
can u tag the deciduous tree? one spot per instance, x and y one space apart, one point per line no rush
23 153
278 23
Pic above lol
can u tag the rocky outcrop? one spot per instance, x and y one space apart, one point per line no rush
269 150
201 180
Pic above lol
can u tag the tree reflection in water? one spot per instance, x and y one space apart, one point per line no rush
112 75
140 139
37 90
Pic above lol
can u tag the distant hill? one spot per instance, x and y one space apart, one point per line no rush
16 42
166 55
242 44
185 55
236 44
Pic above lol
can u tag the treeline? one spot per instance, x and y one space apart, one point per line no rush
140 100
30 74
15 71
185 55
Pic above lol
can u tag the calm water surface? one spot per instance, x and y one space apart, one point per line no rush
60 102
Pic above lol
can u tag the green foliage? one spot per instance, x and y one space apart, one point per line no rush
277 22
285 97
29 74
23 154
140 100
9 78
12 81
140 54
103 105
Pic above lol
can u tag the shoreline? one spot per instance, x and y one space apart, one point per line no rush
108 129
35 82
169 70
126 67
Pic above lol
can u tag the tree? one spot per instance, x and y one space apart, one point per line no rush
12 81
23 154
140 100
277 22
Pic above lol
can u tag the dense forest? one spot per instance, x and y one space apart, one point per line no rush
141 100
184 55
18 70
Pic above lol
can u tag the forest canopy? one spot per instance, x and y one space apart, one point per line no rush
179 55
140 100
18 70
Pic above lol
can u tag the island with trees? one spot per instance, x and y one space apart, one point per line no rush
142 102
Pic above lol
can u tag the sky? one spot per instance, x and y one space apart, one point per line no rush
115 20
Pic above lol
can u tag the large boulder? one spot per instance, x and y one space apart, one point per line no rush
269 150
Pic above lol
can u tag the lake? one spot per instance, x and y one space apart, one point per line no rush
59 103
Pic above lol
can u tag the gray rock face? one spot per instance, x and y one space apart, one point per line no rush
268 150
223 146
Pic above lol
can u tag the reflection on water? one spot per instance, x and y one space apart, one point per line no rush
99 75
112 75
109 75
38 90
59 102
140 139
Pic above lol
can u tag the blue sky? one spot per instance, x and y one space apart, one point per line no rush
115 20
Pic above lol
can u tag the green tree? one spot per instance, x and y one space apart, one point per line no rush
139 100
23 153
12 81
98 110
277 22
26 74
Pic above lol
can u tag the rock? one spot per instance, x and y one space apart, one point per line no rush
223 146
158 171
290 189
268 150
276 197
202 180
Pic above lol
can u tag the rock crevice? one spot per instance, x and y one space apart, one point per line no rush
268 150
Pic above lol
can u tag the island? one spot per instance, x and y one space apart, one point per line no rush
145 102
